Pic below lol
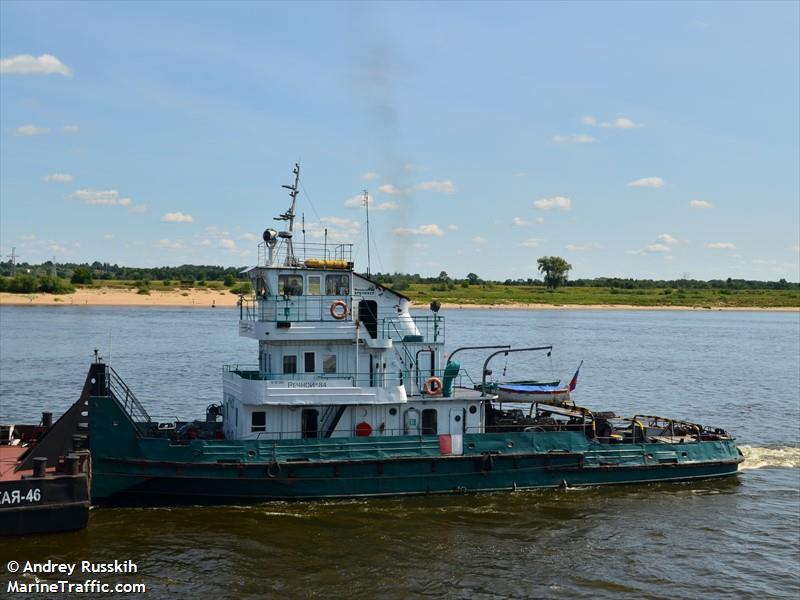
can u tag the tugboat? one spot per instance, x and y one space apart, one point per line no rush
351 397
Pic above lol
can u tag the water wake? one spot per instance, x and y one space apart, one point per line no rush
758 458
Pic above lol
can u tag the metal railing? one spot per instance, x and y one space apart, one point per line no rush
251 372
303 251
430 329
120 391
294 308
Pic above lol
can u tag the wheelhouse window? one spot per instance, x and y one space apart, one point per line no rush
329 363
309 362
337 285
258 421
290 285
429 425
289 364
314 285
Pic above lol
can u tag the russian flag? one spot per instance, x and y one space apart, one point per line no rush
574 381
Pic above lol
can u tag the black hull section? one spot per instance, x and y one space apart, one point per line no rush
44 505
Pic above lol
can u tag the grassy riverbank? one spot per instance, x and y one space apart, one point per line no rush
499 294
482 295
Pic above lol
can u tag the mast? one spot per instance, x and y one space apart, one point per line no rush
290 214
366 205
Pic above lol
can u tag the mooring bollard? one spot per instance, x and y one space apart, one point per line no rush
39 466
47 419
77 442
72 464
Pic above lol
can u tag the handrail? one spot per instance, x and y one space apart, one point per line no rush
130 404
506 352
453 353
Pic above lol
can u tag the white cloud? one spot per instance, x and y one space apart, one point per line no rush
370 176
358 202
634 252
531 243
452 227
71 129
556 202
177 217
339 229
393 190
25 64
624 123
582 247
409 167
520 222
250 237
721 246
667 238
101 198
480 240
575 138
108 236
700 204
445 187
227 244
57 178
656 248
618 123
652 182
171 244
107 198
28 238
431 229
29 130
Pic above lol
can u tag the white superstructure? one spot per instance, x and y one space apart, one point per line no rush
339 355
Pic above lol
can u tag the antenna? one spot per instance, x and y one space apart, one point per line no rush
303 216
13 256
290 214
325 247
366 206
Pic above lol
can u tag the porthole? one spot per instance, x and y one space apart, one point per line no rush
473 409
458 418
510 445
251 453
393 411
471 446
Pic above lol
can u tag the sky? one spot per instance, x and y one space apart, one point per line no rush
646 140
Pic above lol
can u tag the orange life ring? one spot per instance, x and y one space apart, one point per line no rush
339 314
433 386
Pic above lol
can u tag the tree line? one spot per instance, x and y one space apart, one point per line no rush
58 277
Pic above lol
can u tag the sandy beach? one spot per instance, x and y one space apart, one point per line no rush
223 298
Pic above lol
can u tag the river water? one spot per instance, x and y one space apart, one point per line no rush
737 538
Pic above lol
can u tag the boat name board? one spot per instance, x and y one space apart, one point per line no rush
364 291
329 383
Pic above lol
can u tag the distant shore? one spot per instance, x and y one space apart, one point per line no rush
223 298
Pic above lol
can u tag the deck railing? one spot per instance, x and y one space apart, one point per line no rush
362 379
120 391
295 308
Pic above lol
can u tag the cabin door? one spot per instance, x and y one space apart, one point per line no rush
368 315
457 430
309 422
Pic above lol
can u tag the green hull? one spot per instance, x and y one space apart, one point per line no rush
130 469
